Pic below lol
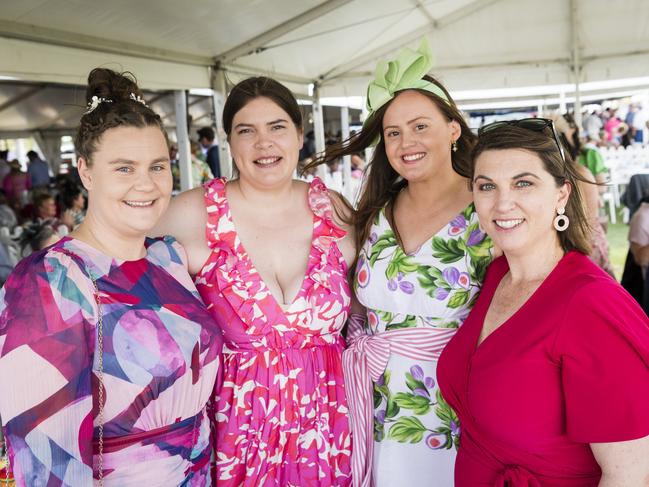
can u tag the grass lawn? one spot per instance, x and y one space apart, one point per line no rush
618 245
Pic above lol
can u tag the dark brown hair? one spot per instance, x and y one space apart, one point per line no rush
260 86
121 111
382 183
543 145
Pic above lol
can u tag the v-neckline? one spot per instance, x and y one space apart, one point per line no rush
429 239
479 345
243 253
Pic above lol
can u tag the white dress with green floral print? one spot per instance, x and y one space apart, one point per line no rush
415 431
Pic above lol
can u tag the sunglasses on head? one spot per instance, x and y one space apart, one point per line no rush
533 124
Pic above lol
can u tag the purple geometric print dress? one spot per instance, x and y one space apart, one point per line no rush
161 353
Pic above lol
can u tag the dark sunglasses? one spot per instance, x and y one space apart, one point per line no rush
534 124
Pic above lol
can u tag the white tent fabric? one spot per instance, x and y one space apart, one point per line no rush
330 45
172 45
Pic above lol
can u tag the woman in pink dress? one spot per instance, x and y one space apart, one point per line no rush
549 374
270 259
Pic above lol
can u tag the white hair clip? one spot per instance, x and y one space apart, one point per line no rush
138 99
94 103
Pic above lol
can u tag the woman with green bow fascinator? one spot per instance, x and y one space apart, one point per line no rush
420 267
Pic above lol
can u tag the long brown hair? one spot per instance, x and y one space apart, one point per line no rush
543 145
382 183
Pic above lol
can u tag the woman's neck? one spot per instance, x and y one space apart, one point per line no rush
427 195
265 198
97 235
534 264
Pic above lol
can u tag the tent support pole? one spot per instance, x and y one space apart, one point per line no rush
318 128
576 61
347 160
220 89
184 157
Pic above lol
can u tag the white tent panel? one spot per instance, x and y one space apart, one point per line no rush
31 61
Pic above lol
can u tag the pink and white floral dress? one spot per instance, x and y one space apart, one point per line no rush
281 412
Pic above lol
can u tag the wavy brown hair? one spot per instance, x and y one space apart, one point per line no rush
543 145
382 183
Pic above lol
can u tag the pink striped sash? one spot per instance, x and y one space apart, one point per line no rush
363 362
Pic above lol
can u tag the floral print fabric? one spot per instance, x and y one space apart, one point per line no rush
416 433
161 354
281 412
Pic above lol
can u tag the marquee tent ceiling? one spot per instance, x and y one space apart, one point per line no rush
168 44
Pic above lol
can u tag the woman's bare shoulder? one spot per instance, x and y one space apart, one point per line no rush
185 217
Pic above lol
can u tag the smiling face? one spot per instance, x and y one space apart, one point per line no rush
517 200
418 137
129 180
265 143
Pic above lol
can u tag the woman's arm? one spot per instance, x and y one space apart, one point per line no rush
640 253
186 220
623 463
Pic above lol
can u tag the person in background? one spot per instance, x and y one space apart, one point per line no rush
593 126
16 186
8 218
612 128
419 270
270 256
38 170
4 164
549 374
639 248
108 355
175 167
45 210
206 138
36 236
73 204
200 169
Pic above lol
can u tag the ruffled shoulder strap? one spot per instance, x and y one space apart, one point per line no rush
325 230
216 205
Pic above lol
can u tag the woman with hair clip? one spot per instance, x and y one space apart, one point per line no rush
418 273
549 374
107 355
270 257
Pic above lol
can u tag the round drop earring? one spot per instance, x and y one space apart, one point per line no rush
561 221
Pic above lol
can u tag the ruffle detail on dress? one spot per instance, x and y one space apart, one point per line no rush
243 287
325 232
239 283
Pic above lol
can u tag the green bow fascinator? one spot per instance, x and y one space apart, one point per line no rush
406 72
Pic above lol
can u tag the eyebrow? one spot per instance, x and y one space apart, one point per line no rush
517 176
242 124
132 163
408 122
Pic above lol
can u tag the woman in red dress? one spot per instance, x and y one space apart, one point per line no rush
549 375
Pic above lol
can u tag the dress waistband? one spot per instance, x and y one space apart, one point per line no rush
116 443
258 346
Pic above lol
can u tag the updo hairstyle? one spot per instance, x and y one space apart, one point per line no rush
119 103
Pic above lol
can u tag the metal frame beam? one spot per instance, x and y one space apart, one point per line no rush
20 97
33 33
397 44
254 71
258 42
